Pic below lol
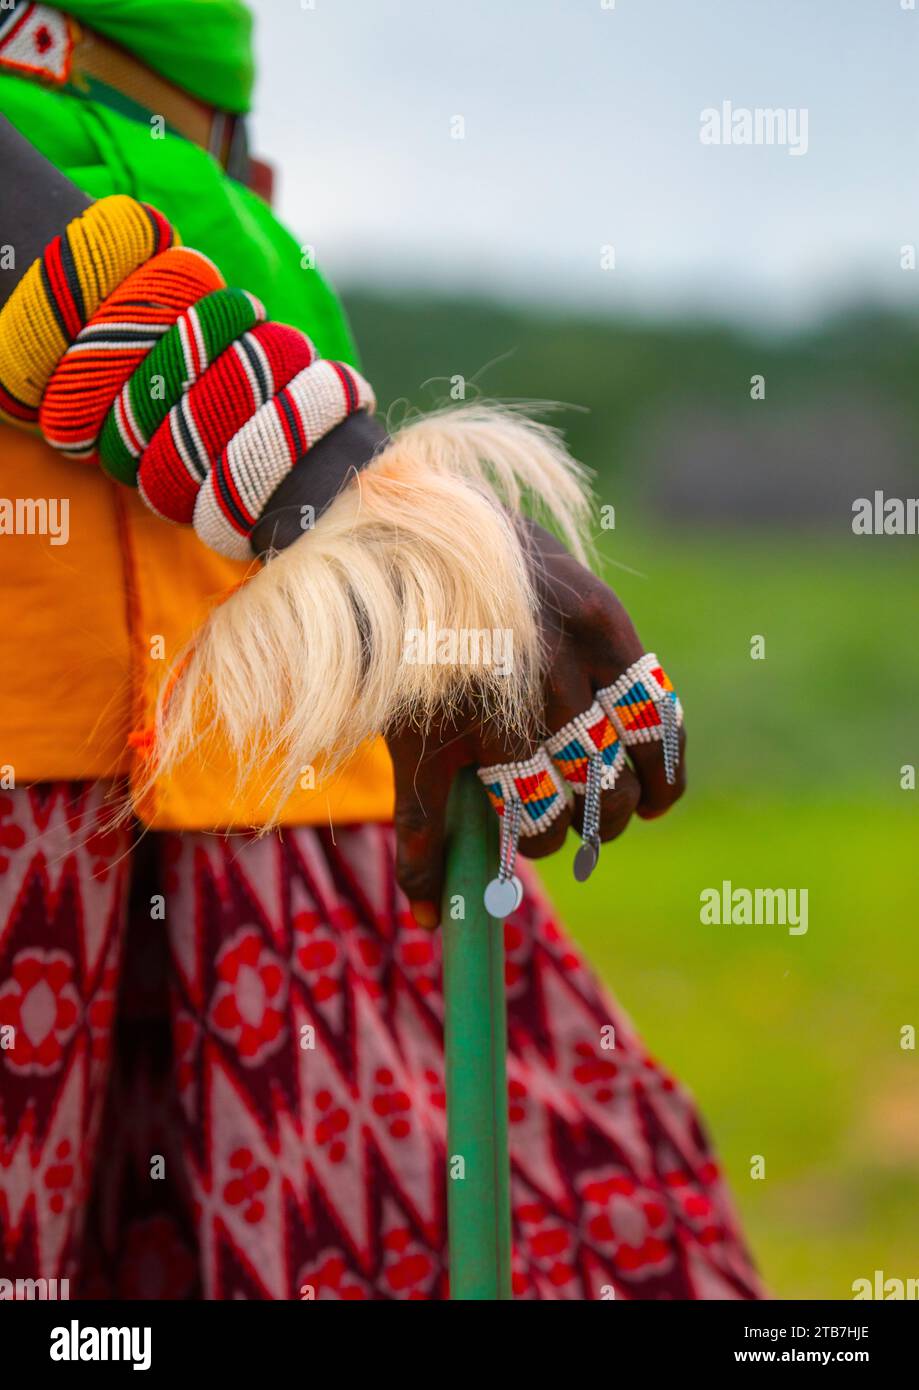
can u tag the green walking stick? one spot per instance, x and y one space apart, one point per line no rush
475 1053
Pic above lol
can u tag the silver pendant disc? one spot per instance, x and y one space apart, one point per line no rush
585 861
503 896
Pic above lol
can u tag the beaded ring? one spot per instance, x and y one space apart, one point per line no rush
645 709
633 701
536 784
115 342
199 427
180 357
64 287
581 739
268 446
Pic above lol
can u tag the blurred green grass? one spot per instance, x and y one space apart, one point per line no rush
832 707
791 1044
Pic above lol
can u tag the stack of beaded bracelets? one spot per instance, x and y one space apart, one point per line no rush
130 351
585 759
63 289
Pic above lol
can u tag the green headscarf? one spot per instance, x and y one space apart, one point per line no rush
103 151
204 46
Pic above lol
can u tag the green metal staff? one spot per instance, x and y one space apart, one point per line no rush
475 1053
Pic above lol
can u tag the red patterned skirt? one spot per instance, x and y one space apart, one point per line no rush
221 1076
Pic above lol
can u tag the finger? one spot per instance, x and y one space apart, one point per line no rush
550 840
567 692
609 644
546 841
617 806
422 781
657 794
606 642
596 634
571 693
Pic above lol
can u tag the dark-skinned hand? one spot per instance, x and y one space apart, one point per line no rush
589 641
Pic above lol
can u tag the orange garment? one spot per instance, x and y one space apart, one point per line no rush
91 627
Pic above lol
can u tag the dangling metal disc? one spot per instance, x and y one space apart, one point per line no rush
585 861
503 896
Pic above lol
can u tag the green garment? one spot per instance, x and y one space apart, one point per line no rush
104 152
204 46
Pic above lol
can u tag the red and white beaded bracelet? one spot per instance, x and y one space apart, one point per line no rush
214 408
268 446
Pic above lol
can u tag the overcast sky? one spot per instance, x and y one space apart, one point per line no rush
582 131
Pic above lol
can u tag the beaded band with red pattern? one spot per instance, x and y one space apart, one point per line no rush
197 430
634 701
582 738
182 355
644 707
63 288
117 338
536 784
268 446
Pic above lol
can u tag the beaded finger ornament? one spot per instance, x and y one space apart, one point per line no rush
645 709
528 797
590 755
535 784
590 734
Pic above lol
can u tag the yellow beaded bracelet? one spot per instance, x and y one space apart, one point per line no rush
64 287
